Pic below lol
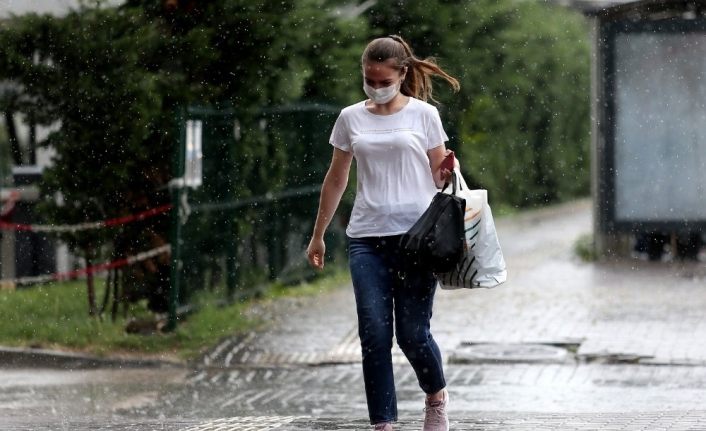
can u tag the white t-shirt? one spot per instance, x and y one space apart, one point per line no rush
395 184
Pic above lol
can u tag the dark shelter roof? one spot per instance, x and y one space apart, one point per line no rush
650 9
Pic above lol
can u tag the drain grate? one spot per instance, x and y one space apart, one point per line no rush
470 353
245 423
614 358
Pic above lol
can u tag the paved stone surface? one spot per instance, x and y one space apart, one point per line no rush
531 388
639 311
563 345
653 421
522 387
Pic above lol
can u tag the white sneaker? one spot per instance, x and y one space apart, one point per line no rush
435 415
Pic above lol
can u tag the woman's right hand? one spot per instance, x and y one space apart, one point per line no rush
331 191
315 253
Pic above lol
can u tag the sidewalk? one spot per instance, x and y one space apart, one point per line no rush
656 421
563 345
638 312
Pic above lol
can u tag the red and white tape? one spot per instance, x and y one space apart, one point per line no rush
130 260
88 225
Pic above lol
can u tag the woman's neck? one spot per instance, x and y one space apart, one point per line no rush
389 108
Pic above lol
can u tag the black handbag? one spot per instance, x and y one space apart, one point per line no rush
435 242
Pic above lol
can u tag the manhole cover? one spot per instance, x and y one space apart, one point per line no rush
508 352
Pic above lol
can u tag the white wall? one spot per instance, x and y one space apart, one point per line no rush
56 7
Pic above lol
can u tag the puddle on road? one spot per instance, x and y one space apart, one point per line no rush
53 377
62 394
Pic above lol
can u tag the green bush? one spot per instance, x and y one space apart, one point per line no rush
525 135
114 77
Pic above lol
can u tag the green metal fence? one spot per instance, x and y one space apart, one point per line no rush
249 221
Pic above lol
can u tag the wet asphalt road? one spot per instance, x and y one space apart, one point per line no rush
563 345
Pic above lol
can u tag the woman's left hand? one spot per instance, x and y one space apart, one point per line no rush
441 171
445 174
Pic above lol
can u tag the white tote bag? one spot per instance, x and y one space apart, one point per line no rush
483 264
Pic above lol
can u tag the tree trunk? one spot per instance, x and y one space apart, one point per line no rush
123 297
106 294
117 297
91 290
12 137
32 150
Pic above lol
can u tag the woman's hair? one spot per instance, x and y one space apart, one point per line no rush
417 82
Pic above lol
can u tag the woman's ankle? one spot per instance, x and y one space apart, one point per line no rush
437 396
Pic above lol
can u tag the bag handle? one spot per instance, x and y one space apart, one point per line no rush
457 181
461 181
454 179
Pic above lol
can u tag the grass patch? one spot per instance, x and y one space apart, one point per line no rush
504 210
585 248
55 316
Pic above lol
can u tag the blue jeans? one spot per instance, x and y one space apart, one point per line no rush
387 292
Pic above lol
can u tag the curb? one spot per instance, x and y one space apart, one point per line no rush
20 357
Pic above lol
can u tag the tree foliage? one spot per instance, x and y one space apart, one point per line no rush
109 82
521 120
84 76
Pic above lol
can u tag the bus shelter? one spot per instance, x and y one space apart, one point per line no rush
649 127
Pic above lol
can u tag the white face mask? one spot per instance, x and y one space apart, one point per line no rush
382 95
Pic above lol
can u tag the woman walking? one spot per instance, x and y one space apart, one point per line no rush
398 141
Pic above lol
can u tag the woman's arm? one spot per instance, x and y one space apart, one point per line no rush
332 189
436 156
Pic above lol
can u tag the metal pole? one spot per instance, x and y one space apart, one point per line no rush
176 222
175 275
231 256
